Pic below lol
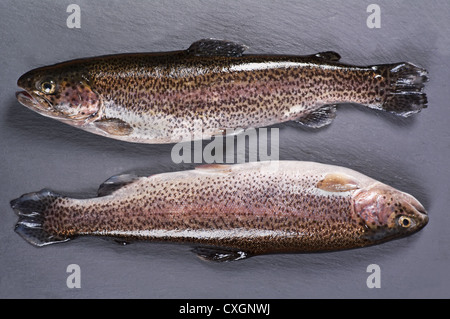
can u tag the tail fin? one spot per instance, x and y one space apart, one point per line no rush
31 209
404 93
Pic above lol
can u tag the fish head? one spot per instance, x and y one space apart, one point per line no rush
388 213
60 91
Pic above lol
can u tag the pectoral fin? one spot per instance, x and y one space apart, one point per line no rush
337 183
219 254
114 127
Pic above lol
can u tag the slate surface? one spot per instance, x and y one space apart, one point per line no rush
412 154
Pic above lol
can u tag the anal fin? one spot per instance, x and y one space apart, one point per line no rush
219 254
320 117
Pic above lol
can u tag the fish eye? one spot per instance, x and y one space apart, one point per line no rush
404 221
48 87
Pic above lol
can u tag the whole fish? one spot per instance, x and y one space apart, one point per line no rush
212 89
231 211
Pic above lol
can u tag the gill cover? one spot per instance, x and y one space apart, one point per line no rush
387 211
76 101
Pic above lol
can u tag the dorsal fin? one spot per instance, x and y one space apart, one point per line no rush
213 47
337 182
115 183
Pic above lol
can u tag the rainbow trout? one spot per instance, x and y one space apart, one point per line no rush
231 211
211 89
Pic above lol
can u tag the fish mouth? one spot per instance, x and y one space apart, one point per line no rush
26 98
32 98
418 211
36 103
421 213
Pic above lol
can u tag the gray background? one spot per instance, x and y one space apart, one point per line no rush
410 154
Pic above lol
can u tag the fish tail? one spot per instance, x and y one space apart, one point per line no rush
403 93
32 209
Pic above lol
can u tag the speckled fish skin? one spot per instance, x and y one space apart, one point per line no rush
231 210
210 88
